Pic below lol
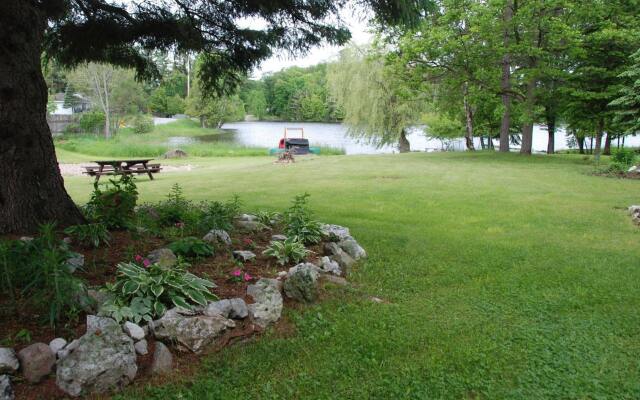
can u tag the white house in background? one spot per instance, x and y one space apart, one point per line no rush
83 104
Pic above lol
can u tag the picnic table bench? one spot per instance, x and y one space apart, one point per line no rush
121 167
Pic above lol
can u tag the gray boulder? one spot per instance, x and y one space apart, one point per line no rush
351 247
135 331
329 266
278 238
335 253
6 391
141 347
177 153
100 362
302 283
162 360
334 233
634 210
9 363
57 344
243 255
217 236
239 309
190 333
163 257
75 261
268 301
36 362
228 308
246 217
97 323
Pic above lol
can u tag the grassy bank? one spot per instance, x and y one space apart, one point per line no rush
154 144
504 277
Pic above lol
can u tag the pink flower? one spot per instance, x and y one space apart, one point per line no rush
138 258
247 241
146 263
236 272
180 224
247 277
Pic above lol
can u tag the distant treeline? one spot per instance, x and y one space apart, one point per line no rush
293 94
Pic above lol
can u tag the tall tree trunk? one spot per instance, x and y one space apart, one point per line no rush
506 79
527 129
31 187
551 129
607 145
468 112
482 145
599 134
403 143
580 141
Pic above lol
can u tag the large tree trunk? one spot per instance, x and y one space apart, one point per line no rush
31 187
580 141
506 79
527 129
598 149
468 112
607 145
403 143
551 129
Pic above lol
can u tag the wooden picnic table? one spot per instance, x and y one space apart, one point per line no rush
120 167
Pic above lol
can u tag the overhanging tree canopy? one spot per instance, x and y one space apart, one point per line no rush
124 34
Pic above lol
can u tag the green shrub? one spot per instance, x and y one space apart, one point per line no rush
268 218
142 124
72 128
217 215
37 271
175 209
288 251
299 221
142 294
191 247
114 207
622 159
92 121
89 234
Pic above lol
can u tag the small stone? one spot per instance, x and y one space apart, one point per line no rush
376 300
57 344
162 360
9 363
36 362
247 217
96 323
243 255
6 391
133 330
26 238
634 210
282 274
336 280
267 308
75 261
334 233
278 238
217 236
329 266
141 347
220 307
238 309
302 283
163 257
351 247
67 240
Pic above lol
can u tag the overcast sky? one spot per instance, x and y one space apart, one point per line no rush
360 34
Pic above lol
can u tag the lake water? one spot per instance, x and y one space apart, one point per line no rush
267 134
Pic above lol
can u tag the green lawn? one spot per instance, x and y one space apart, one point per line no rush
506 277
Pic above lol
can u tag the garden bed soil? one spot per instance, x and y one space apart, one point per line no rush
100 268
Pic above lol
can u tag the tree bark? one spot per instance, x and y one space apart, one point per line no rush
598 149
527 129
468 112
403 144
506 79
31 187
551 129
607 145
580 141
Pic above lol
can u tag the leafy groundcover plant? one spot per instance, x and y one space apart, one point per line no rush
89 234
191 247
299 221
144 293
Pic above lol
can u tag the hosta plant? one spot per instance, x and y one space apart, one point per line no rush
191 247
288 251
142 294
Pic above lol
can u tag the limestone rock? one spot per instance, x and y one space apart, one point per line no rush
268 301
190 333
162 360
96 323
220 307
99 362
278 238
133 330
6 391
75 261
141 347
243 255
351 247
217 236
36 362
329 266
336 280
238 309
335 253
302 283
163 257
334 233
57 344
9 363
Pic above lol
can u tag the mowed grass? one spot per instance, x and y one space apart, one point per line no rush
504 277
127 144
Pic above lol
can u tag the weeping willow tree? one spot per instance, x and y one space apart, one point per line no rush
378 105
